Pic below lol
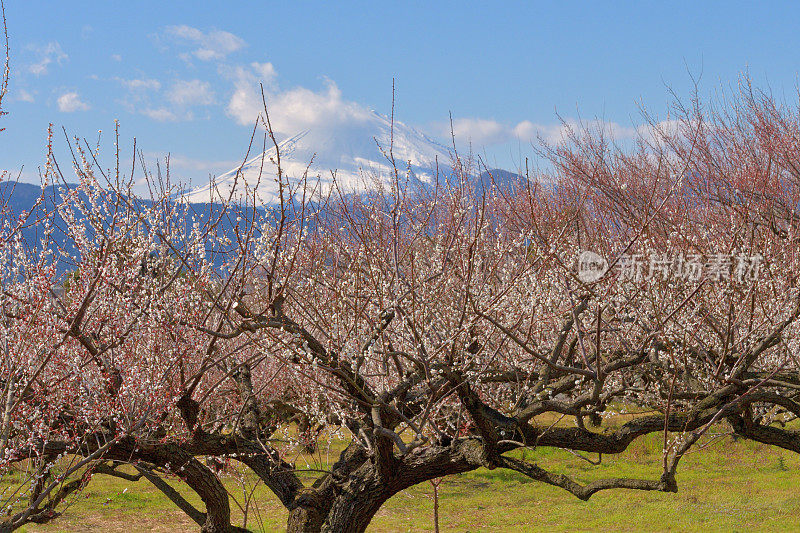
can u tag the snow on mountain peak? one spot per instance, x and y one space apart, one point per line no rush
356 155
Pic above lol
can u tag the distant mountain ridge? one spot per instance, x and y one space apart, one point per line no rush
22 197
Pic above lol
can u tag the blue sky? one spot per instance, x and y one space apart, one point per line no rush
182 77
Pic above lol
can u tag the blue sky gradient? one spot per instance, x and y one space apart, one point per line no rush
182 76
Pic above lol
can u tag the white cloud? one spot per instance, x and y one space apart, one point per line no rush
487 132
161 114
214 44
265 72
323 113
302 108
190 93
654 133
23 96
481 132
555 133
243 105
172 105
138 99
47 54
140 84
70 102
116 57
250 75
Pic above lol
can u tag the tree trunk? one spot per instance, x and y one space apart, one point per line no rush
349 507
308 513
352 512
348 512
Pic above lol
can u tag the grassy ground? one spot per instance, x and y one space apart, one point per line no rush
728 486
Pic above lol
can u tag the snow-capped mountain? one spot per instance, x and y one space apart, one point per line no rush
356 158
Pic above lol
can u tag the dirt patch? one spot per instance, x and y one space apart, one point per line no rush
115 522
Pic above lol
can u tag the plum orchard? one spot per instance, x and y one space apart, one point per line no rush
431 331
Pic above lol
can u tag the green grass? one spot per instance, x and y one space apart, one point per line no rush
729 486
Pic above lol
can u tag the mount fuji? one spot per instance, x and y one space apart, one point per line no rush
356 158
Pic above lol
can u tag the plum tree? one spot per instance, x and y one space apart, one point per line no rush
433 331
